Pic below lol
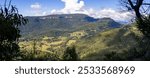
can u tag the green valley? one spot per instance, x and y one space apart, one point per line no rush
93 39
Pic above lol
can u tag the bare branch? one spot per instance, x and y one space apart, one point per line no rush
9 4
139 3
5 3
130 2
146 4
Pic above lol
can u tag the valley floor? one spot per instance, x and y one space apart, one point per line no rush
124 43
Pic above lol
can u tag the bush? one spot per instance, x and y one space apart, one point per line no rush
70 54
10 20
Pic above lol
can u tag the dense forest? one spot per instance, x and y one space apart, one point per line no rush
75 37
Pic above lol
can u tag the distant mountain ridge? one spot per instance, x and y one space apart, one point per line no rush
56 25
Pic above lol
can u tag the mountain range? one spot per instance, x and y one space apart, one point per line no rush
58 25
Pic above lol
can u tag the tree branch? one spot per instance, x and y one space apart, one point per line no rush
130 2
139 3
146 4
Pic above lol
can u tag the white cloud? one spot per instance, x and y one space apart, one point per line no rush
44 13
71 6
37 10
35 6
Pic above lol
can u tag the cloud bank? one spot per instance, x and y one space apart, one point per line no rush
77 6
108 12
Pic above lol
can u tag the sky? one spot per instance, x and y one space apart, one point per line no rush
93 8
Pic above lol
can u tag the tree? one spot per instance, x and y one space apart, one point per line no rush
10 20
142 12
70 54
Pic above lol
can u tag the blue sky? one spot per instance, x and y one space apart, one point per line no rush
94 8
59 4
24 5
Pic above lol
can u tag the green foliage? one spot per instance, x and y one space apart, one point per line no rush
144 25
70 54
10 20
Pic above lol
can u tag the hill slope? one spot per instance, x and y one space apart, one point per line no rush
118 40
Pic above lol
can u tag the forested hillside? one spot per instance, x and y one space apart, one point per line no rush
61 25
116 44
